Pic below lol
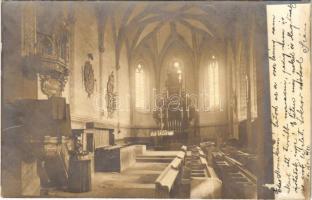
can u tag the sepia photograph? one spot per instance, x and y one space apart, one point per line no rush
136 99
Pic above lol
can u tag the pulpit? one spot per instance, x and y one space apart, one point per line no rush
35 138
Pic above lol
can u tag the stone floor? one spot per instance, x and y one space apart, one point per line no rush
134 182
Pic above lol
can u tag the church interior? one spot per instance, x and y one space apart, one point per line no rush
135 100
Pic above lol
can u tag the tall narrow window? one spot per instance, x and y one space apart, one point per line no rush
242 86
139 87
253 86
212 94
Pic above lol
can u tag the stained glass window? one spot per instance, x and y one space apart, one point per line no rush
212 89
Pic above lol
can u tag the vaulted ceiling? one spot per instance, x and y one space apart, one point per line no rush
166 19
137 21
189 23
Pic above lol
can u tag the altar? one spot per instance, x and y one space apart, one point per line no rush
175 112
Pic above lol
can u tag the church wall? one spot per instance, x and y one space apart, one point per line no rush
143 118
212 124
94 108
248 40
143 122
20 86
123 112
84 107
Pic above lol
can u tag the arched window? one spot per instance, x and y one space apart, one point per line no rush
246 81
177 67
212 89
140 87
253 88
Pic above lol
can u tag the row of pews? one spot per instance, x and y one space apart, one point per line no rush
236 169
204 181
188 175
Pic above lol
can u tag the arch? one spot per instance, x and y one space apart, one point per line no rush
177 52
212 78
171 41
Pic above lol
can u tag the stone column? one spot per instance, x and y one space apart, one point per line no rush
250 67
196 60
263 131
101 20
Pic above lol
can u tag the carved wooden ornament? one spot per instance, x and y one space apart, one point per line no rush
88 78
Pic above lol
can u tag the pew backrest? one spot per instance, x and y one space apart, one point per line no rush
181 155
167 179
165 182
176 163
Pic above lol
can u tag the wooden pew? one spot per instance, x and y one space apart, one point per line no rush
167 180
184 148
238 181
205 183
114 158
181 155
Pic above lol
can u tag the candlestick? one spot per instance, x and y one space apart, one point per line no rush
155 99
161 119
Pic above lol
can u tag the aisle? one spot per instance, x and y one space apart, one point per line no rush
135 182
